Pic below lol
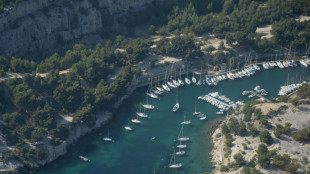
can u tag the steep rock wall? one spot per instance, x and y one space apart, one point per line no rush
40 27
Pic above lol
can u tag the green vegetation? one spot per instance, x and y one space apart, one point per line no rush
304 91
32 105
282 130
303 136
179 46
265 137
239 160
238 20
224 168
236 127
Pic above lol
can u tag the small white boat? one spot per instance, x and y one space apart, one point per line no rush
194 79
172 85
147 105
176 107
303 63
180 82
84 158
160 89
174 165
220 112
136 120
196 112
176 83
185 122
180 152
108 137
181 146
152 95
202 118
201 115
142 114
187 81
280 64
128 127
166 87
181 137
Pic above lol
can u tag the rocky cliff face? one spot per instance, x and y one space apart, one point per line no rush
41 27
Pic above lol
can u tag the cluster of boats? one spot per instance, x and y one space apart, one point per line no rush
305 61
219 101
280 64
288 89
181 151
257 90
214 80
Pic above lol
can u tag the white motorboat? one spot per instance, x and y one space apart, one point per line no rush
108 137
220 113
202 118
84 158
176 107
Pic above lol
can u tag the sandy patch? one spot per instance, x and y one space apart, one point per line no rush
302 18
264 31
267 107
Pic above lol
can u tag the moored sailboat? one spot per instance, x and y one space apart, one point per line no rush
128 127
172 163
108 137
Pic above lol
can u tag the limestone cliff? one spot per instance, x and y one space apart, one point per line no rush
36 27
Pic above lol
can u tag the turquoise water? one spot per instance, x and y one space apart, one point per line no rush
135 152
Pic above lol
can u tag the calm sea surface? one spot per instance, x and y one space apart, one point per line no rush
135 153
